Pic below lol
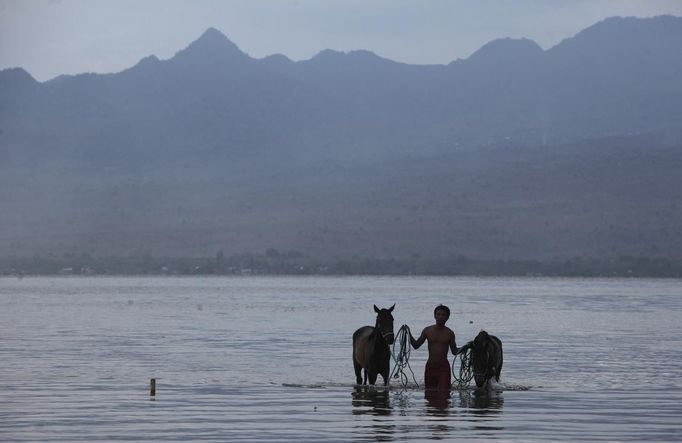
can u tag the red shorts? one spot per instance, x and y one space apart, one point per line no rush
437 375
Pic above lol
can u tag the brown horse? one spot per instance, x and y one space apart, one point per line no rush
486 357
370 348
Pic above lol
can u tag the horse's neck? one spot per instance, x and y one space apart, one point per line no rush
376 338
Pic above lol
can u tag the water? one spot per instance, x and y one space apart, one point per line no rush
269 359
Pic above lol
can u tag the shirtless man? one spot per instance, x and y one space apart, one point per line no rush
440 338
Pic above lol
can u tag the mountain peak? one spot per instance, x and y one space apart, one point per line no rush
212 44
212 34
149 60
611 34
358 57
16 76
619 37
615 23
504 48
328 54
503 52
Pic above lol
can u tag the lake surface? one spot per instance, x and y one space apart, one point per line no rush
269 359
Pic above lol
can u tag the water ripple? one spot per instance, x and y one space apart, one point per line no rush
267 359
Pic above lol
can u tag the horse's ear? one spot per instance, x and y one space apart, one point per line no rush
376 309
391 308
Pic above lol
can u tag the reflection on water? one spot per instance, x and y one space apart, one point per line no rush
438 410
374 402
371 400
437 401
444 412
481 401
483 405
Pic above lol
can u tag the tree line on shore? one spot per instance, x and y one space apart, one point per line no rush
295 263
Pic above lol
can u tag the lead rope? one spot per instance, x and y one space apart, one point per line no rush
401 359
466 372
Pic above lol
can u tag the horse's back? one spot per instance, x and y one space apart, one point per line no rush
362 332
360 338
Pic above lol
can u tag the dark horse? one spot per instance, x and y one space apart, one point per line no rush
370 348
486 356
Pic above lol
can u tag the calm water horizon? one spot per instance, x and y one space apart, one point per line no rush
269 359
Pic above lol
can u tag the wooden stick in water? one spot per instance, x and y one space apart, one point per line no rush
152 387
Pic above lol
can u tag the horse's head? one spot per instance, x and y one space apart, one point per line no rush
480 358
384 323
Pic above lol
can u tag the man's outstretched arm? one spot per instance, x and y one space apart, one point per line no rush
418 342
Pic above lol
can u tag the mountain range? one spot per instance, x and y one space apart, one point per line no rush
514 151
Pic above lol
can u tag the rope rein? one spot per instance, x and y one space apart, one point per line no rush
401 359
466 372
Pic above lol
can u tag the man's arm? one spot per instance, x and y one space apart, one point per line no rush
418 342
453 345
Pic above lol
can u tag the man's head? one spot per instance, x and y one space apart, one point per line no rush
441 314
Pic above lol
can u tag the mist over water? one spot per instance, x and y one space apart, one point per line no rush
269 359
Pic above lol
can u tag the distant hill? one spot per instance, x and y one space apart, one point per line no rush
514 152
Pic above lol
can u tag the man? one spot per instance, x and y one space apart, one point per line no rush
440 338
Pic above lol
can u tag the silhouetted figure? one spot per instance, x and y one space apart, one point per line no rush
437 375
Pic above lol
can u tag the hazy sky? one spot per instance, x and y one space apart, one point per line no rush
52 37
